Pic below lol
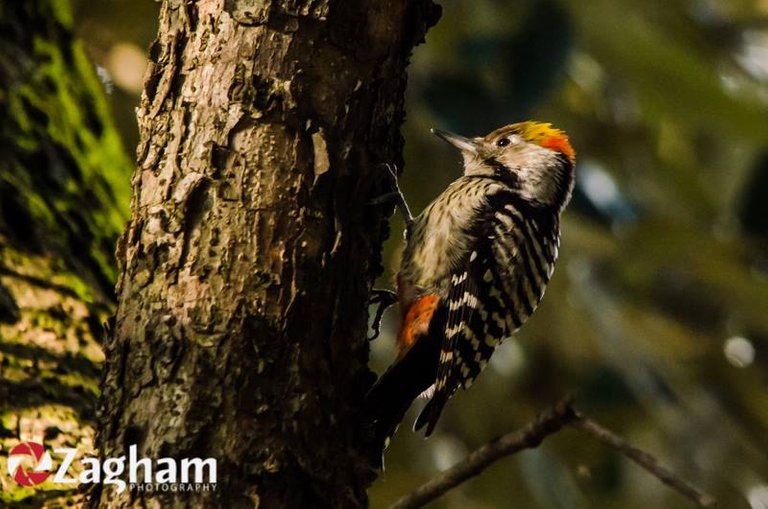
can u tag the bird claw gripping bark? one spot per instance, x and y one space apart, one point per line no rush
396 196
384 299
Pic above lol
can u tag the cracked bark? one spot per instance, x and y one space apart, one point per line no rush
248 260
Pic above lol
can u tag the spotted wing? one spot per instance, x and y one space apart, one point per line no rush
459 348
524 248
497 290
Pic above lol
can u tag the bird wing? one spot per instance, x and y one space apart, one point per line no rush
524 251
457 363
496 289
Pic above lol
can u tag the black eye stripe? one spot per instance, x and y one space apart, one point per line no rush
502 142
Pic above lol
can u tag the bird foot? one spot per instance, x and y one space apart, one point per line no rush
382 299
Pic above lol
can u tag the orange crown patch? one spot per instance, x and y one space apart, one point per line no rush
546 136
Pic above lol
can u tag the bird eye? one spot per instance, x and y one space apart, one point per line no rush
502 142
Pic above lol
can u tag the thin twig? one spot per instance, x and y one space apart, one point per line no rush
546 423
644 459
398 195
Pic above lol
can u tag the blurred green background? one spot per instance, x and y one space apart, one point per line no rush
657 316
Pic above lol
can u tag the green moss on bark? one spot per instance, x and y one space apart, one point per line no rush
64 192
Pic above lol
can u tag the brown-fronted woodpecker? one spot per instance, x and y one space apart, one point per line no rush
474 268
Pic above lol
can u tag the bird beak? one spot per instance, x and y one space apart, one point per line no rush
460 142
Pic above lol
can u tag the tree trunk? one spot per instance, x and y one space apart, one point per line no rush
247 264
63 199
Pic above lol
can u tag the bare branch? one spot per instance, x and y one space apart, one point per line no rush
644 459
546 423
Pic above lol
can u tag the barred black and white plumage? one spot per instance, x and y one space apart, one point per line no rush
475 266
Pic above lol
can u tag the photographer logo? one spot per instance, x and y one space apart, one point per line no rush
30 464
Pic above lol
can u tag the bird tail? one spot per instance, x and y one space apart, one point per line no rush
392 395
430 414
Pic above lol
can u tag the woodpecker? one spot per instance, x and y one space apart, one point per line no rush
475 266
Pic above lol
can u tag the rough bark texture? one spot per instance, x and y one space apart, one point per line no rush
62 170
247 263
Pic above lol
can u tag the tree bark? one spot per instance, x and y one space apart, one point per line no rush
63 201
253 244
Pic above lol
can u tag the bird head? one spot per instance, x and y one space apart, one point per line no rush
535 159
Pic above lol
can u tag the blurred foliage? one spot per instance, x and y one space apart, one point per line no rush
114 32
64 193
657 315
62 165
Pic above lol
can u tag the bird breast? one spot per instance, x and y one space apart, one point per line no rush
441 235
